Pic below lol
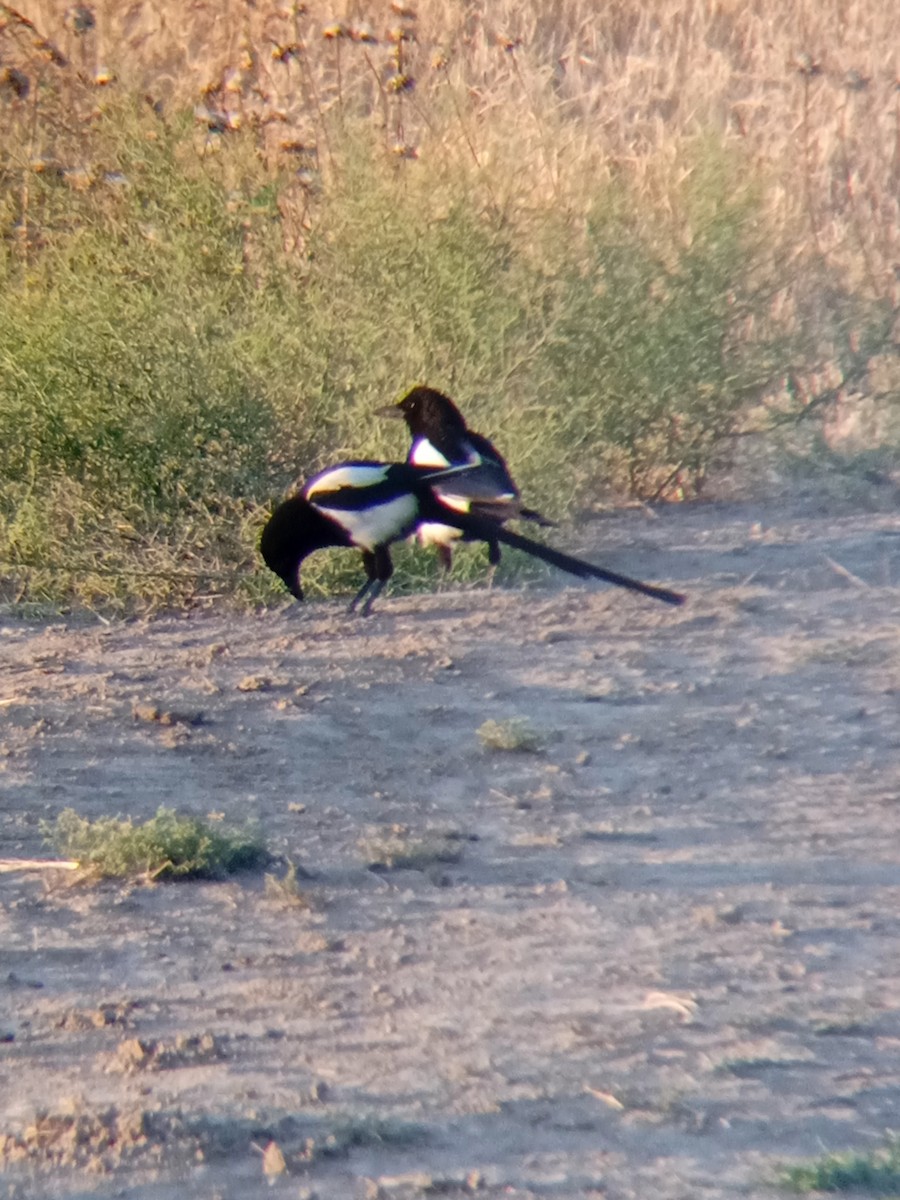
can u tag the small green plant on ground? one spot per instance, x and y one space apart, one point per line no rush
286 890
366 1131
169 845
395 850
513 734
873 1172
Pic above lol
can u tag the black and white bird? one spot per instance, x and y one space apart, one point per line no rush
371 505
441 438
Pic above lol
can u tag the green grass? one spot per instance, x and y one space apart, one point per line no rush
366 1132
513 734
168 846
873 1172
286 891
396 850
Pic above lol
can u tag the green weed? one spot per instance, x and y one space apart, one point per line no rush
872 1172
286 890
514 734
166 846
397 850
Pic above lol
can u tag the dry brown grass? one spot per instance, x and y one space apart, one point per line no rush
562 92
535 104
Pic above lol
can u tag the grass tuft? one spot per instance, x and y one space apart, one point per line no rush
396 850
286 890
513 734
873 1172
168 846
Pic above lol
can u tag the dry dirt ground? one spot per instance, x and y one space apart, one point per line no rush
657 958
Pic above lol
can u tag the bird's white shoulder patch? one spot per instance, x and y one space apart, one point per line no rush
346 475
423 454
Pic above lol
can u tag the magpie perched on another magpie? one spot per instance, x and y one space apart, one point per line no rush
372 504
441 438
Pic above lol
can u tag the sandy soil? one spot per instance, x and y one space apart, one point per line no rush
655 959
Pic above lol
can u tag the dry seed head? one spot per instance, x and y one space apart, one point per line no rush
510 45
234 82
79 19
806 64
439 60
284 54
399 34
401 83
44 47
404 11
17 82
78 178
43 166
855 81
403 150
334 31
215 121
103 77
363 32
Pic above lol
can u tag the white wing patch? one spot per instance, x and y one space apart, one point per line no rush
505 504
353 475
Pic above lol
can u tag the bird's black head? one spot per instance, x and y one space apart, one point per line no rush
428 413
294 530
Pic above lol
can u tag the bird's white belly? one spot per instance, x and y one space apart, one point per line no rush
378 525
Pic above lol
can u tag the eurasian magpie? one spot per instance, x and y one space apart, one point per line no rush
373 504
441 438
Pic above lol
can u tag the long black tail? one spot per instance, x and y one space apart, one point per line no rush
585 570
488 531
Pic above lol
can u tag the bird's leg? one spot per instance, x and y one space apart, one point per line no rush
371 570
493 559
380 568
366 587
445 559
375 589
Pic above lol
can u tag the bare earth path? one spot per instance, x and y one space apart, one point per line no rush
656 959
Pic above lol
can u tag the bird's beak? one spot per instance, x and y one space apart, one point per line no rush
389 410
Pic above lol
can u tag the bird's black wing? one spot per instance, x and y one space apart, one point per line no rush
489 453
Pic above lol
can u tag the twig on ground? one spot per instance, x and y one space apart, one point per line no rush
845 574
37 864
